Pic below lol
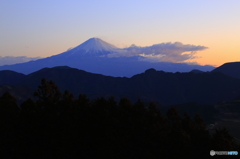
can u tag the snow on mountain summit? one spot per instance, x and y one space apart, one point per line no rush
96 44
93 47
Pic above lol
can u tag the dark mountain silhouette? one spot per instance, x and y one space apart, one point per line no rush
176 88
196 71
10 77
230 69
152 85
92 56
79 81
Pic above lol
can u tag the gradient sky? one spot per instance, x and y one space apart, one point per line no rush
49 27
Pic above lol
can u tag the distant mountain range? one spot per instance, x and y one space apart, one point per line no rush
97 56
163 87
104 73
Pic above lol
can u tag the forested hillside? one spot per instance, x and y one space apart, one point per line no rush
60 126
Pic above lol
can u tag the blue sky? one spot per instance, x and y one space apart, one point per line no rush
44 28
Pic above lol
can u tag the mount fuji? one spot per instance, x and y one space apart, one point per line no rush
94 55
93 47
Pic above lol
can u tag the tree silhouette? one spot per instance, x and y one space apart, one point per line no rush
9 115
223 141
63 127
48 92
29 107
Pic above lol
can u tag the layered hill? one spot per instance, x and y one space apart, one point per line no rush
10 77
94 55
152 85
231 69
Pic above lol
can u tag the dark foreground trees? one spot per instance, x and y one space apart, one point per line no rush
60 126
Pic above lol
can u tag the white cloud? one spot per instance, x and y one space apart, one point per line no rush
164 52
9 60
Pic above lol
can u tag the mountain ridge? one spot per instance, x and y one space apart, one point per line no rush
151 85
231 69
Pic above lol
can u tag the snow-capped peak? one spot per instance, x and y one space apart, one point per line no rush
96 44
93 47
